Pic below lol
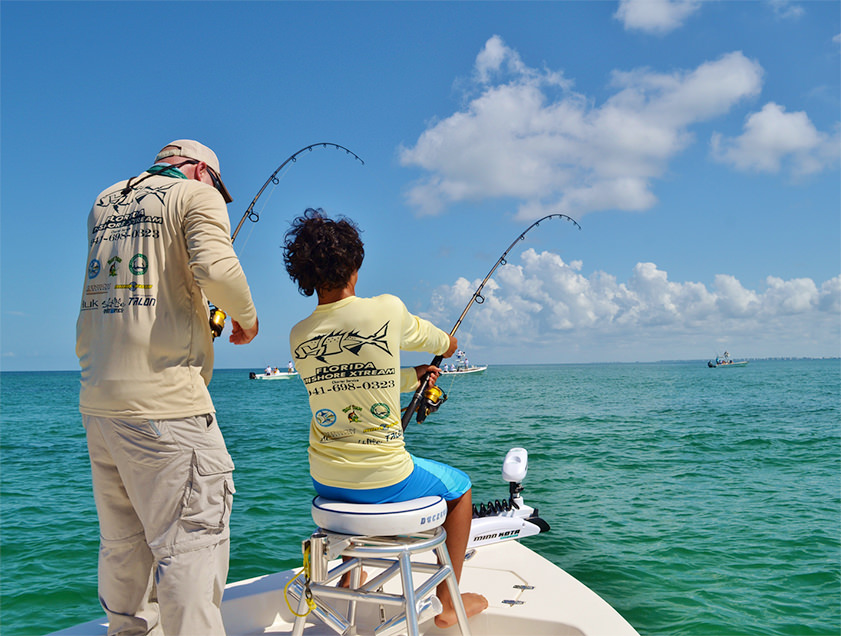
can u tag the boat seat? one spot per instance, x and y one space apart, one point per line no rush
383 538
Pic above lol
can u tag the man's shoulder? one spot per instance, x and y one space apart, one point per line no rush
144 183
112 189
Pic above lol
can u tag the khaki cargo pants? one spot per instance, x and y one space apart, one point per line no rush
163 491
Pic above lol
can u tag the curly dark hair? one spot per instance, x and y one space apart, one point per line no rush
321 254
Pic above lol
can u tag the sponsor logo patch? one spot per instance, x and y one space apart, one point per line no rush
325 418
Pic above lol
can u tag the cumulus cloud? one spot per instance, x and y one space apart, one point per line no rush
655 16
543 300
529 136
785 9
659 17
773 138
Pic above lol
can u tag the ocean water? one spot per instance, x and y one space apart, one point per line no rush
695 501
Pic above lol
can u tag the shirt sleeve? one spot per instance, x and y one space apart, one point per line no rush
408 379
421 335
213 262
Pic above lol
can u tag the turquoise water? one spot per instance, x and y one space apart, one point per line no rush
696 501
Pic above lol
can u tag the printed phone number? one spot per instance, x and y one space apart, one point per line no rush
353 386
119 236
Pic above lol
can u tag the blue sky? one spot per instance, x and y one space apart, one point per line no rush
697 143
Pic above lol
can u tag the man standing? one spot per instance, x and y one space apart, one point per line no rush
159 249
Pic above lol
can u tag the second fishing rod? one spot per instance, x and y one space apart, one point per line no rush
428 399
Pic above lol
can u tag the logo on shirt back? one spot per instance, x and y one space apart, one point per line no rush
337 342
94 268
380 410
325 418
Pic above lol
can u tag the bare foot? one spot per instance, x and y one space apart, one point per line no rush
473 604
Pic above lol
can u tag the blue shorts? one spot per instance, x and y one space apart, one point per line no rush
429 478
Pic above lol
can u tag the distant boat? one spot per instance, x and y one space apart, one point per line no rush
726 361
462 370
275 375
462 365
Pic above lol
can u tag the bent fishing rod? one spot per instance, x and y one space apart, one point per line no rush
428 399
217 316
253 216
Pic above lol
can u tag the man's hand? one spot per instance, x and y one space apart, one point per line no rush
433 372
240 336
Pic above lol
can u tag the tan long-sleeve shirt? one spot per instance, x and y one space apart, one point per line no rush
156 255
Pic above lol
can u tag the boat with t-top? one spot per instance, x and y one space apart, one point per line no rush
726 361
461 365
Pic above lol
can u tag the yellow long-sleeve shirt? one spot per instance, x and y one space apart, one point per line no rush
155 257
348 355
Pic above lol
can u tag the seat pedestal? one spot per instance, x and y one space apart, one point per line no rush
391 557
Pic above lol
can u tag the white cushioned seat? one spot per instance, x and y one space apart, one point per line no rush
403 517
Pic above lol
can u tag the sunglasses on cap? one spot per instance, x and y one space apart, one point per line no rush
217 182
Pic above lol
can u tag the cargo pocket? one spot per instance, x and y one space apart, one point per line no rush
210 492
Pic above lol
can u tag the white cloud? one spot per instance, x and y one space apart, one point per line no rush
655 16
543 302
796 296
773 138
528 136
829 297
786 9
734 300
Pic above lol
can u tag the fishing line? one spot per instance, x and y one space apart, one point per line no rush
217 316
468 327
257 215
428 399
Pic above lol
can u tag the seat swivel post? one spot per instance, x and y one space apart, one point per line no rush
318 560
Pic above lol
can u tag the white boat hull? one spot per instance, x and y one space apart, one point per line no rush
526 594
464 371
275 376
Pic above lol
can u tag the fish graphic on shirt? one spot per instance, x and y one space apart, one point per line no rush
337 342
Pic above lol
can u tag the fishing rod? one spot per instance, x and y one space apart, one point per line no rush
428 399
217 316
253 216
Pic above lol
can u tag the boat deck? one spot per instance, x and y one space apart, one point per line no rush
556 605
526 593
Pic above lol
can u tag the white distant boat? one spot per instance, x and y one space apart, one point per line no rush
462 365
274 375
461 370
526 593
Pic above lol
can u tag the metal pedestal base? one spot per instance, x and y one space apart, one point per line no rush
392 555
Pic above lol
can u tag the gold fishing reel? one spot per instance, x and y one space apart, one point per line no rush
433 398
217 321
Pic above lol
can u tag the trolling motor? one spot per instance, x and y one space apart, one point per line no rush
510 518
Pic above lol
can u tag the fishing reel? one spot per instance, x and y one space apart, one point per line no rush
432 399
217 321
